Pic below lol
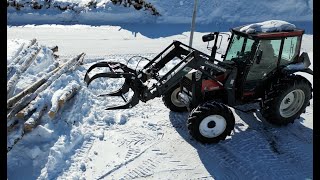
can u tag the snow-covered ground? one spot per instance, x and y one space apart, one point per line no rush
84 141
172 12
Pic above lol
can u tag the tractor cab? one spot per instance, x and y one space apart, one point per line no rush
260 56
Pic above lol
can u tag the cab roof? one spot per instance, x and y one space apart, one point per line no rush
269 35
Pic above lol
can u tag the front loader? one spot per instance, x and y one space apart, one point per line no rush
257 67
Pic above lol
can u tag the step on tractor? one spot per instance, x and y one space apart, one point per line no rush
256 67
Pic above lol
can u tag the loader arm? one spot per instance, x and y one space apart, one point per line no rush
137 80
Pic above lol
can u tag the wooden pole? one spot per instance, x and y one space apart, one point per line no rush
193 22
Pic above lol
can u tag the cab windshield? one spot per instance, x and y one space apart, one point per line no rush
239 46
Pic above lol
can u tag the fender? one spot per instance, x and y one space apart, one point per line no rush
291 71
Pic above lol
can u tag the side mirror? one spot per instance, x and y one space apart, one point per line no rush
259 55
208 37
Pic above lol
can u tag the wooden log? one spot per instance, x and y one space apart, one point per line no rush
32 88
29 97
29 109
20 128
11 125
15 64
34 120
23 52
16 54
55 103
66 67
14 80
68 94
21 104
61 97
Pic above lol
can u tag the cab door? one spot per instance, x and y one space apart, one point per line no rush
269 59
270 50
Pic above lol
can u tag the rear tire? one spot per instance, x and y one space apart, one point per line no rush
211 122
286 100
171 101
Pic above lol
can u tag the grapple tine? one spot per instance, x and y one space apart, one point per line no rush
126 72
132 102
108 75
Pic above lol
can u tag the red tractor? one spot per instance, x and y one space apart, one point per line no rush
257 67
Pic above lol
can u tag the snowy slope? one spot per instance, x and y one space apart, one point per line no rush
148 141
172 11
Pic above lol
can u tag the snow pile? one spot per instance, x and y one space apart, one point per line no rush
268 26
101 12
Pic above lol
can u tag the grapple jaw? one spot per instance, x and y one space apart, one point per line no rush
117 70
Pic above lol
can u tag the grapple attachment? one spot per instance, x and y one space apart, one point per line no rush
116 70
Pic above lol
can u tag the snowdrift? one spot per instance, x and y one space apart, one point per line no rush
98 12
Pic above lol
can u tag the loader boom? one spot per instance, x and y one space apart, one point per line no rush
136 80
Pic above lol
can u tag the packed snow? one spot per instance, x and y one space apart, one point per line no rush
84 141
268 26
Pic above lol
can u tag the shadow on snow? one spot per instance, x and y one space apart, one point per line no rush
261 151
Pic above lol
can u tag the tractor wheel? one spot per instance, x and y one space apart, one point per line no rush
210 122
172 102
286 100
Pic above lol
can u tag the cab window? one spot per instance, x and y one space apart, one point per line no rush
290 50
238 47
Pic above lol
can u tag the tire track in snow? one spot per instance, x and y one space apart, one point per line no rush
77 161
135 138
250 154
155 161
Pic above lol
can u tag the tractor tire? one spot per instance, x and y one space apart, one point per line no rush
211 122
286 100
172 102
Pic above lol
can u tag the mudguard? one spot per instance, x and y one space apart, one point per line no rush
291 71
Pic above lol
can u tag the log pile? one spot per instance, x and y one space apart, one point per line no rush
25 109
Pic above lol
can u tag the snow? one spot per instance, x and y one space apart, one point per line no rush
84 141
268 26
87 142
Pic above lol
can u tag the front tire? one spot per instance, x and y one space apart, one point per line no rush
211 122
286 100
172 102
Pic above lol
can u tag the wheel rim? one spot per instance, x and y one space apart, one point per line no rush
212 126
174 98
292 103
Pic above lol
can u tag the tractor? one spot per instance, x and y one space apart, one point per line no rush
257 67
